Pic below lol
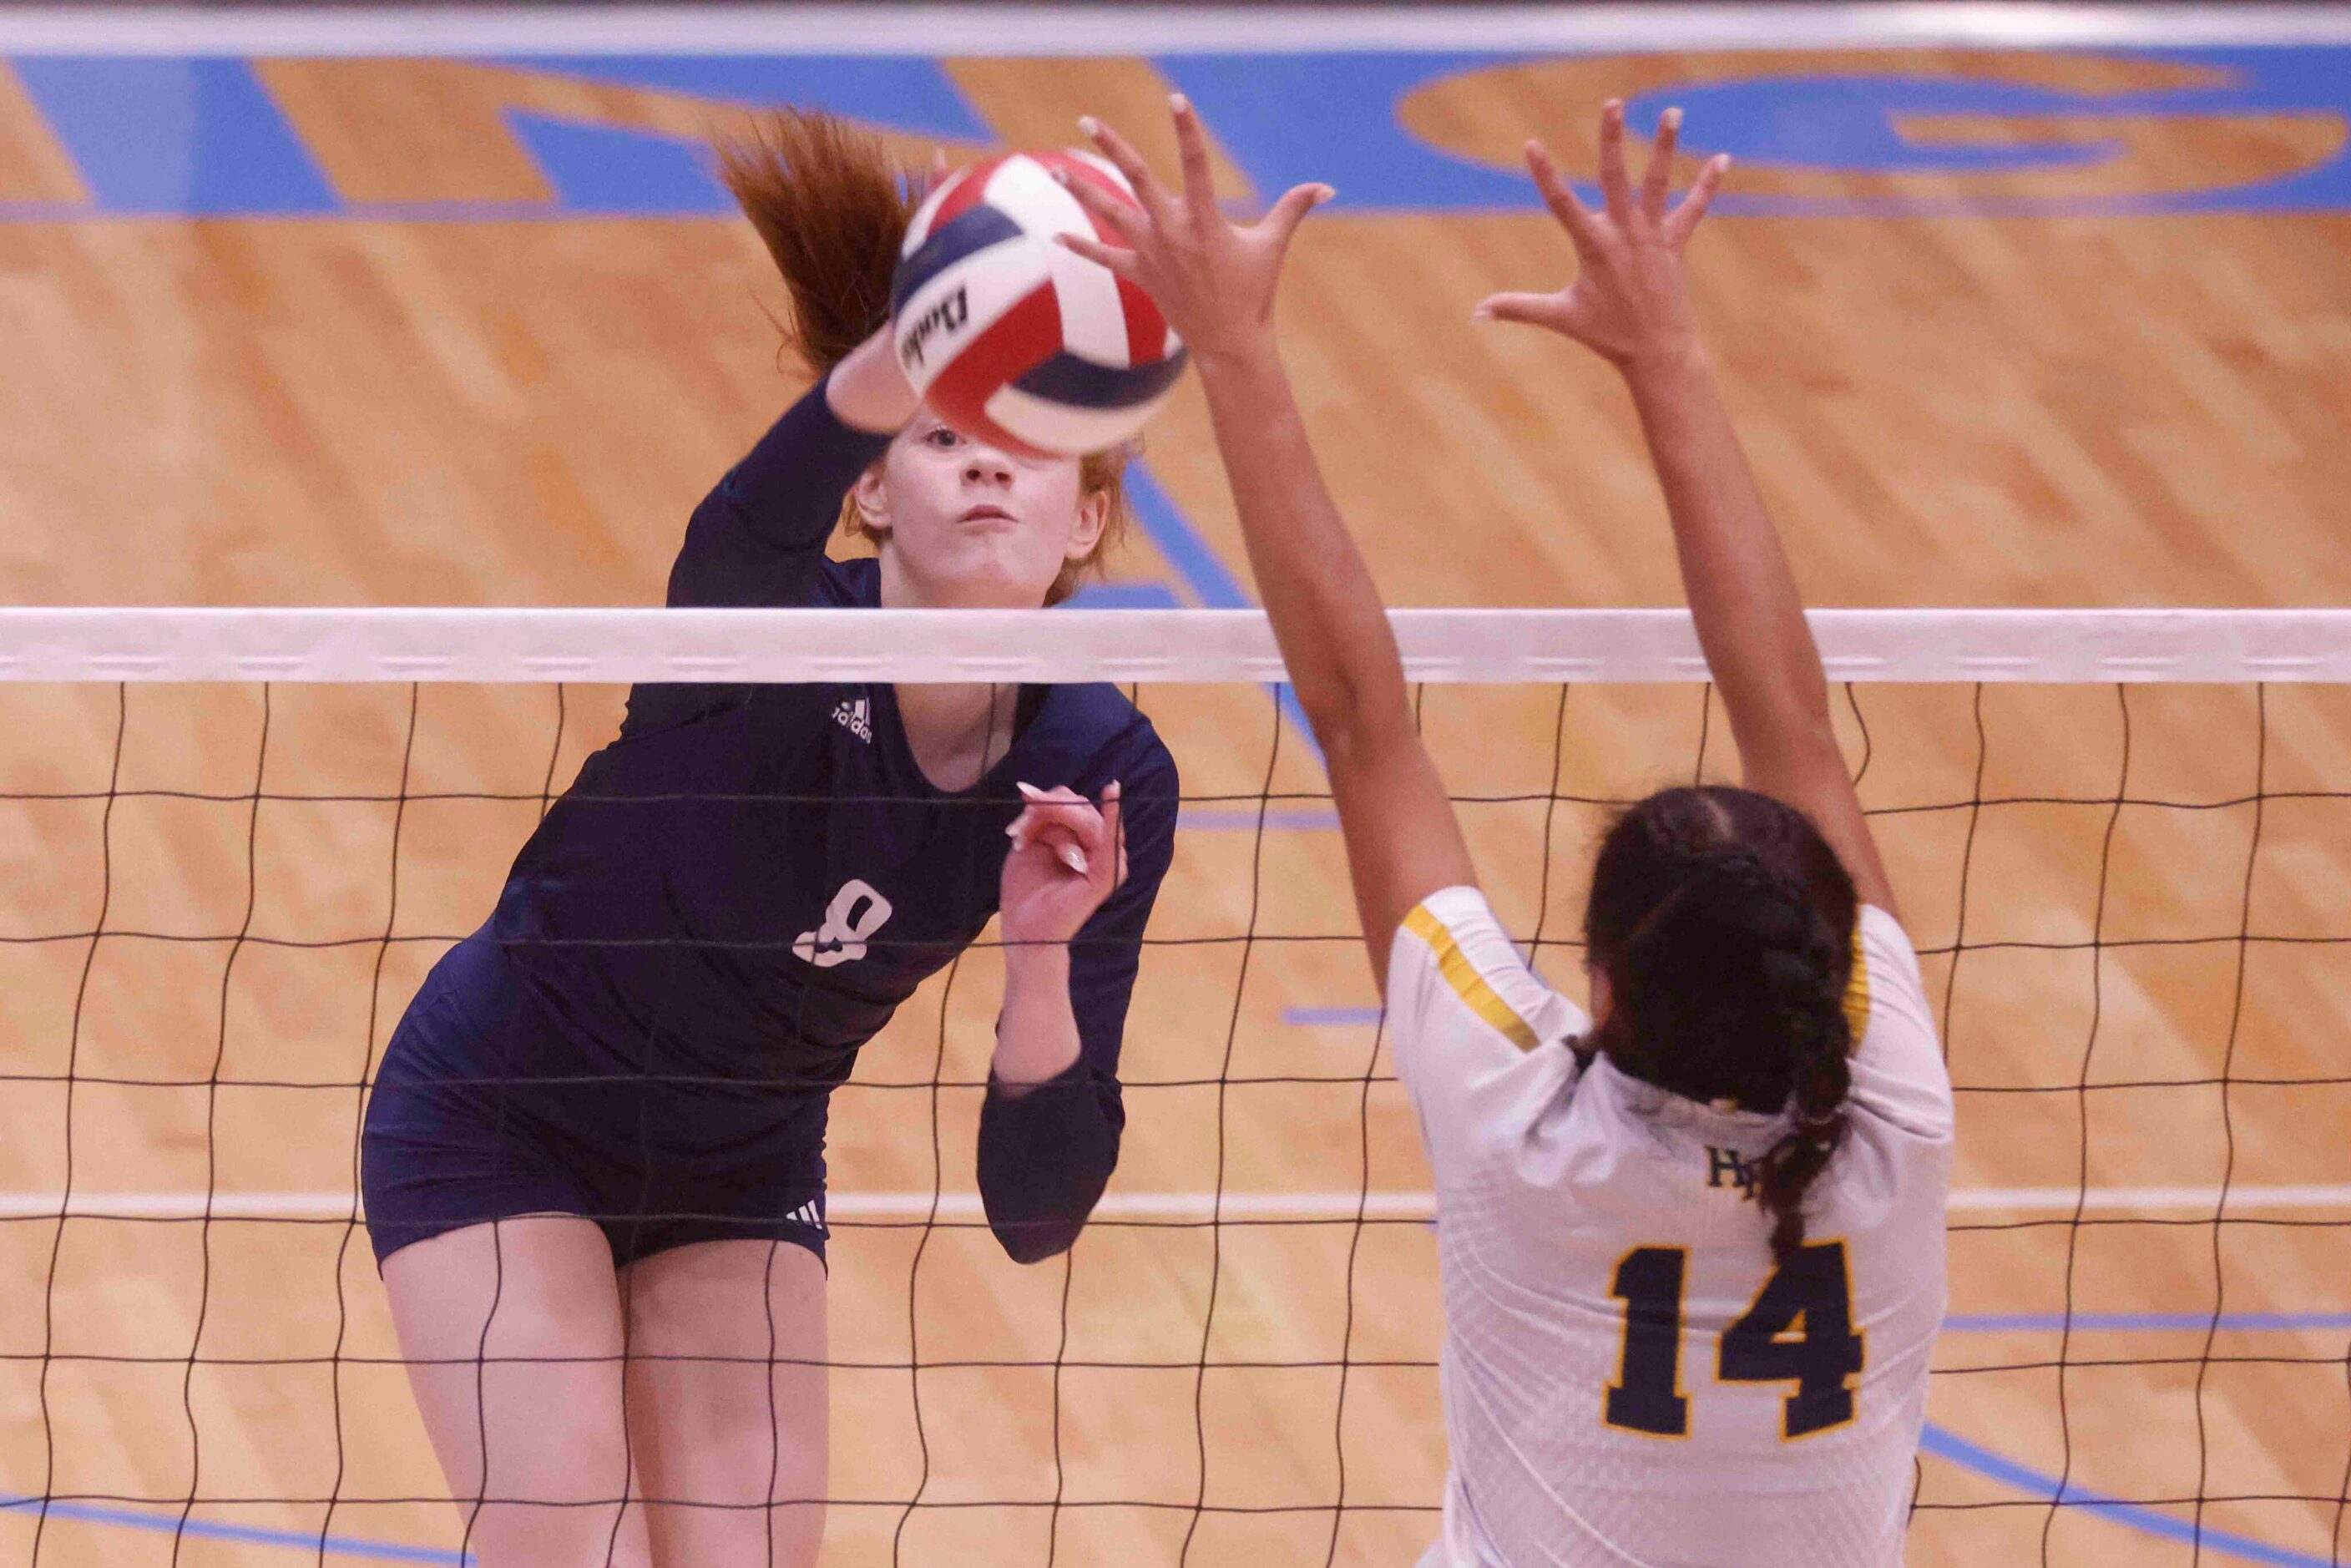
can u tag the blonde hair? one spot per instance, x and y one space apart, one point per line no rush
831 207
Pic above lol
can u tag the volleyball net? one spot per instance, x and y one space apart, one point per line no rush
236 839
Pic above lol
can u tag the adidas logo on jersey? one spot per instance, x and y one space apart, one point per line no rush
856 716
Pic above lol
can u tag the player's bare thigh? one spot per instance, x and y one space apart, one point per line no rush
727 1401
513 1334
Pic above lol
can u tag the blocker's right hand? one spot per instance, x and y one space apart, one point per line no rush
1213 279
1630 300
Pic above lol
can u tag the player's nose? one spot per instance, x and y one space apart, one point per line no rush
985 465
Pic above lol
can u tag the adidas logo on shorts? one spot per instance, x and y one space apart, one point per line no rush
857 717
807 1213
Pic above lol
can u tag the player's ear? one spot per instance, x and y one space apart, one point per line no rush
870 497
1093 515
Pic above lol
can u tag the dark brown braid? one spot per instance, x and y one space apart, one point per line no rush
1724 925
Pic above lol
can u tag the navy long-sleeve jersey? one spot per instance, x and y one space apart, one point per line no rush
740 889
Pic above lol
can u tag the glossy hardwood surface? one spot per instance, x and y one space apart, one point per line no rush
1957 409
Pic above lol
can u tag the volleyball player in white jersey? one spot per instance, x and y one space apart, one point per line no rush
1692 1245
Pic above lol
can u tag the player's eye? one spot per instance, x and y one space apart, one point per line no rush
942 438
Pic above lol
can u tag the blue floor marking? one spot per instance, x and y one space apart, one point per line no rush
251 1535
912 94
176 136
207 136
1126 595
1211 582
1312 1017
1958 1450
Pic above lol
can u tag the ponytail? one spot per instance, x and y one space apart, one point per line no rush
831 207
1808 990
1724 925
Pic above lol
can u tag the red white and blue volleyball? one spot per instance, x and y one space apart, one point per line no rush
1014 339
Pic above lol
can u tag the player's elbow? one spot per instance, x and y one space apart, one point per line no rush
1044 1159
1356 722
1037 1238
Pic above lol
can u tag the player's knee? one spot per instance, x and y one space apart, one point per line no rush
569 1467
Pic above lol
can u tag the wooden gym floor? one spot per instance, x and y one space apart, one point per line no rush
2102 363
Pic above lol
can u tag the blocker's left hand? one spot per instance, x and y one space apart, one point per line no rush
1630 299
1213 279
1067 856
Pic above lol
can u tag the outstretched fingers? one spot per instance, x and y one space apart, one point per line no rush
1528 310
1129 162
1286 213
1684 219
1616 185
1121 218
1120 261
1560 196
1656 184
1192 156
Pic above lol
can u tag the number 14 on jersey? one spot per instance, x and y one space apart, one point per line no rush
1799 1329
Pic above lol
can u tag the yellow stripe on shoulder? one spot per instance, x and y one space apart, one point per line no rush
1466 982
1856 989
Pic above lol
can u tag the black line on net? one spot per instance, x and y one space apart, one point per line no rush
895 1085
2082 1183
1852 701
1161 1505
1860 772
470 1507
2343 1492
768 1372
212 1140
1082 1364
1705 717
73 1062
2227 1123
779 943
980 803
1967 869
2092 1504
1120 1222
1224 1075
2102 1502
359 1120
1060 1361
915 1268
2228 1082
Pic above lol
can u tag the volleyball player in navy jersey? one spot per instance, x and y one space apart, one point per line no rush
594 1163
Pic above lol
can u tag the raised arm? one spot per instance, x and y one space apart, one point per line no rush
1214 281
1630 305
756 539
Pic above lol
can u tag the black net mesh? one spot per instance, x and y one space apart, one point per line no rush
2129 900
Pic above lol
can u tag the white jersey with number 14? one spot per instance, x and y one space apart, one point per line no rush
1629 1378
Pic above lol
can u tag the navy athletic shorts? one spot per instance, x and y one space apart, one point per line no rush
486 1108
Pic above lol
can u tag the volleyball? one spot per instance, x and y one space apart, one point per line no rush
1015 340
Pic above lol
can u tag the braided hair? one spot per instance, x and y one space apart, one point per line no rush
1723 923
